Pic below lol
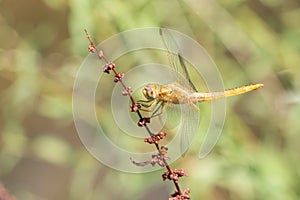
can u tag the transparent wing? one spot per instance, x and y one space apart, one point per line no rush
176 61
190 120
189 112
184 122
186 73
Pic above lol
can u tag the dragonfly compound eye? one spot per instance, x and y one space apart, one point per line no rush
149 92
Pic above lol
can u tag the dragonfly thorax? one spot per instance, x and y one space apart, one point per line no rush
150 92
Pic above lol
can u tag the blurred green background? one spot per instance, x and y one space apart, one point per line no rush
42 45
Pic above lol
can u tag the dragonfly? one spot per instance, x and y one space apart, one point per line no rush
182 92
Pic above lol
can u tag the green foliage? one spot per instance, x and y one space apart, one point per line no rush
42 45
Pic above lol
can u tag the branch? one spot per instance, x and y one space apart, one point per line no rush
160 158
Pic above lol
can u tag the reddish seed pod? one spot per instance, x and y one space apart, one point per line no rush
106 68
111 66
171 176
177 196
91 48
127 91
101 54
155 139
149 140
134 107
118 77
141 123
144 121
163 150
162 134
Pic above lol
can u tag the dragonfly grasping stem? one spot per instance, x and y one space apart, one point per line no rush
109 66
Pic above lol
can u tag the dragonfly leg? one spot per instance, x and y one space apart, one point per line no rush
148 106
146 103
152 106
158 109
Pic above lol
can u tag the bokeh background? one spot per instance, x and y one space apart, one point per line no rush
42 45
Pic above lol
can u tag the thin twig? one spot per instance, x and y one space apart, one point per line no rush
170 174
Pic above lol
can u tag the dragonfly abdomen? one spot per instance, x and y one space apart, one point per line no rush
207 96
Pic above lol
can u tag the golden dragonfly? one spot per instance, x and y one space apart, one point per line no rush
182 92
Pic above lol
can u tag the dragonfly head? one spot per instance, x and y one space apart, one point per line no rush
150 92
